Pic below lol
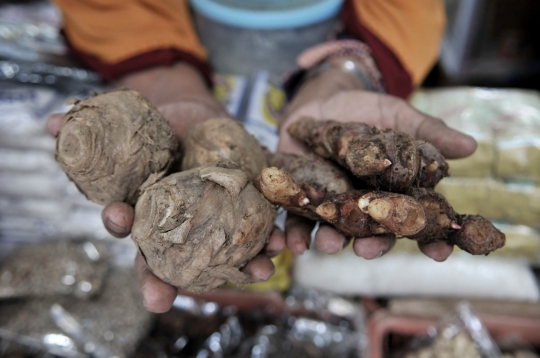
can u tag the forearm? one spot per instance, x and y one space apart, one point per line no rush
167 84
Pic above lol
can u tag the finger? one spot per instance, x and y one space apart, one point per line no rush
118 219
387 111
329 241
54 122
276 243
158 296
261 268
451 143
373 247
298 233
288 144
438 251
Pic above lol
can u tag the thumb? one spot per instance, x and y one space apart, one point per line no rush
451 143
54 122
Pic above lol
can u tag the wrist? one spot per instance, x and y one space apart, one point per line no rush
350 56
319 88
361 69
167 84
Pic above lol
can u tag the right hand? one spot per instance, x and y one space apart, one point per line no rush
182 97
340 96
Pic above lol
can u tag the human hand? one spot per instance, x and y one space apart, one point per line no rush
182 98
339 96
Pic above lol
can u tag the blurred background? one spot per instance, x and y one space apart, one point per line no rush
67 288
490 43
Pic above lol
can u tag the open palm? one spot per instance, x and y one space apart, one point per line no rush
382 111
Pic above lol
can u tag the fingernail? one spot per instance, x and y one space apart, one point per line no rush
273 253
376 256
385 250
114 228
299 249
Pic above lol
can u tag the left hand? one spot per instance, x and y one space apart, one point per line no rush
340 96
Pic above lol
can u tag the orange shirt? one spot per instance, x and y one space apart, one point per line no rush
118 36
115 30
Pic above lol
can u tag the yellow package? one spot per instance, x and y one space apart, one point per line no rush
518 158
521 241
465 195
478 165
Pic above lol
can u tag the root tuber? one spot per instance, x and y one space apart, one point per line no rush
358 213
384 159
223 139
197 228
114 144
471 233
322 175
422 214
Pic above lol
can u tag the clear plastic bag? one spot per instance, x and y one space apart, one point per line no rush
110 325
55 267
460 335
505 123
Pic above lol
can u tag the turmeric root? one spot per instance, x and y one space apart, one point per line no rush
384 159
422 215
322 175
197 228
222 139
357 213
433 165
471 233
318 178
114 144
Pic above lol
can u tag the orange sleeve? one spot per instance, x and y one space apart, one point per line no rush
411 30
109 32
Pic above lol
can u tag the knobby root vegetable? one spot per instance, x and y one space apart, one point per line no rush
357 213
398 213
433 166
322 175
113 145
196 229
471 233
384 159
422 214
222 139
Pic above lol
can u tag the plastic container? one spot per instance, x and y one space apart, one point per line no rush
244 36
384 324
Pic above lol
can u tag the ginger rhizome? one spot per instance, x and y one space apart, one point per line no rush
307 187
384 159
357 213
222 139
114 144
197 228
323 175
472 233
